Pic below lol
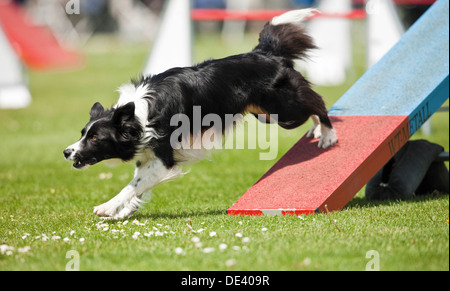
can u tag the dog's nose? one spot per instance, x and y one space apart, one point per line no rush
67 153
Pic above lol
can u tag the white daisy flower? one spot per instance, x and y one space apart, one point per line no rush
136 235
230 263
208 250
24 249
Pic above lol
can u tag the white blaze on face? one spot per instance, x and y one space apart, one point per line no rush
76 147
72 150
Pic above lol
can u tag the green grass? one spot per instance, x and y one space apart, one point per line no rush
41 194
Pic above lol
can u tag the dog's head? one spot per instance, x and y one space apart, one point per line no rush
110 134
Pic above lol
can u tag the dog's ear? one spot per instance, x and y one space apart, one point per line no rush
97 110
123 119
124 113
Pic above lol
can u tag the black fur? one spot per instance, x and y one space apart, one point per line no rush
264 78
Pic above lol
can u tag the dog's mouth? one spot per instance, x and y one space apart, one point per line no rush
83 164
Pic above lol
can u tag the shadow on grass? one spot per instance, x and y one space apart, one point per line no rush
180 214
355 203
361 202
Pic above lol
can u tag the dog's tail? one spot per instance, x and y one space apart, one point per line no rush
285 36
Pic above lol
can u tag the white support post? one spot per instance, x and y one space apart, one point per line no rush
173 43
14 94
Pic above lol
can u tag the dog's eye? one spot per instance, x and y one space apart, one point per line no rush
94 138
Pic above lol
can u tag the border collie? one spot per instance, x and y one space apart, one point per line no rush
139 128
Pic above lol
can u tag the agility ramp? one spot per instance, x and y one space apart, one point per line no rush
34 44
373 120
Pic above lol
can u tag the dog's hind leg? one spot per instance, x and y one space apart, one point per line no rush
315 131
130 199
322 129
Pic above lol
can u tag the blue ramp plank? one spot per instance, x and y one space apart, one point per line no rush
411 77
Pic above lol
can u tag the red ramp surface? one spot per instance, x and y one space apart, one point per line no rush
35 45
301 182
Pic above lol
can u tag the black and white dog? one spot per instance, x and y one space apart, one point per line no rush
139 126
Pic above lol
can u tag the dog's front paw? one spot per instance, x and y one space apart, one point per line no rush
115 210
111 210
106 210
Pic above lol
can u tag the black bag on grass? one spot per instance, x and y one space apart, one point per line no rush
413 170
